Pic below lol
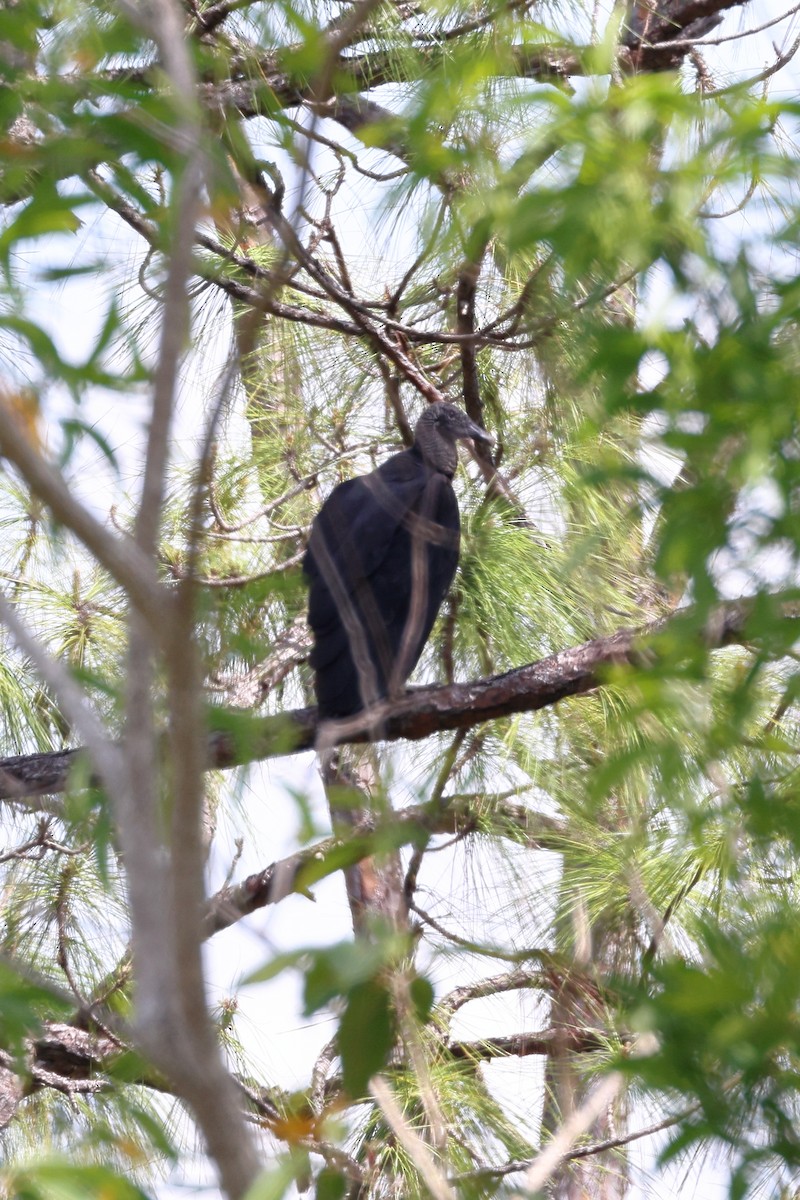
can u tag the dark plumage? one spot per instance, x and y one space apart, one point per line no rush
382 553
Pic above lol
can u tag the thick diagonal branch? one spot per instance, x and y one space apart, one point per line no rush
428 710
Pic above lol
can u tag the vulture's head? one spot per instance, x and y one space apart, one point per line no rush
439 428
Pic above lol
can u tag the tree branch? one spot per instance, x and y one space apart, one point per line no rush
165 891
519 979
426 710
120 556
71 1060
639 51
521 1045
293 874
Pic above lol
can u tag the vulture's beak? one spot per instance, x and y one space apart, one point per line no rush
478 434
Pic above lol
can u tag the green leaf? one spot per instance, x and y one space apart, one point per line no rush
24 1005
75 430
275 1182
330 1185
338 970
59 1179
366 1035
422 996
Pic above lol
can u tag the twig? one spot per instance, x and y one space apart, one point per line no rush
315 136
516 980
547 1162
513 956
304 484
36 846
427 710
781 60
690 43
582 1119
512 1168
448 35
435 803
72 700
420 1153
124 561
237 581
677 899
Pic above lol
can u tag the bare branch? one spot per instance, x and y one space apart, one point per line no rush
647 46
124 561
512 1168
516 980
427 710
420 1152
582 1119
694 43
72 699
522 1045
290 648
286 876
782 58
166 889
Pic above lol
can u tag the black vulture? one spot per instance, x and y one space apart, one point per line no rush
382 553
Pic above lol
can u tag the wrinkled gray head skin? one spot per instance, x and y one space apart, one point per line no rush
438 430
450 422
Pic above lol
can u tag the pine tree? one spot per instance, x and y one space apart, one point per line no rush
291 228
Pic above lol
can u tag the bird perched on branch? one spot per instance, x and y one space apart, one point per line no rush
382 553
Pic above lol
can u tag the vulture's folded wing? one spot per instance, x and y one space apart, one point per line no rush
382 553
